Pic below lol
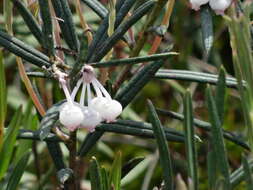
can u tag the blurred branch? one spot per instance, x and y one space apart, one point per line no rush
29 87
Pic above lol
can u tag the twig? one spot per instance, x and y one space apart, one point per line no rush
73 182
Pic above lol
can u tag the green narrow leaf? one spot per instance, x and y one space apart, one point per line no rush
47 27
56 154
192 76
134 60
122 8
49 120
121 30
220 94
137 131
211 169
134 173
97 7
81 57
130 165
247 172
207 28
29 122
95 175
23 50
8 15
239 175
217 138
89 142
190 140
115 174
29 20
18 172
105 179
9 142
240 41
207 127
3 99
68 32
126 94
165 158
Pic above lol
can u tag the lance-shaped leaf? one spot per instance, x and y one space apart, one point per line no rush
191 76
29 20
9 142
56 154
3 99
239 175
137 82
63 12
144 125
206 126
95 175
47 27
23 50
220 94
211 169
247 172
190 140
115 174
218 141
120 31
135 173
165 158
134 60
34 135
207 28
49 120
79 62
127 128
136 131
18 172
89 142
97 7
29 122
105 179
122 8
130 165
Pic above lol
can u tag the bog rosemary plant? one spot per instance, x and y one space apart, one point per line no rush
102 79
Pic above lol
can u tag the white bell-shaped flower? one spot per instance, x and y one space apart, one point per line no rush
71 116
99 107
219 6
91 118
109 109
197 3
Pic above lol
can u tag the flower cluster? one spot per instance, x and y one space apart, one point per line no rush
219 6
92 109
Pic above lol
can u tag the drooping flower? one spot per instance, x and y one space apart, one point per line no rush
108 108
70 114
219 6
101 106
